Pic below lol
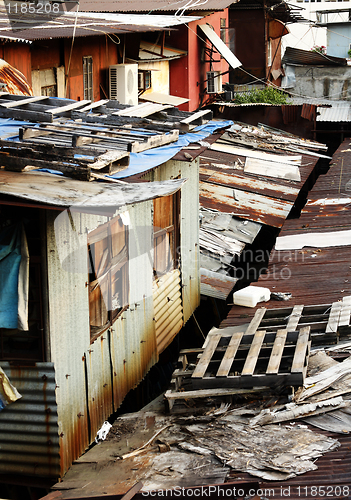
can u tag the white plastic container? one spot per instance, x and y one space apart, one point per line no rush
251 295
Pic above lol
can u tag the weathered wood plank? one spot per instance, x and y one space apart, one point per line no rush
203 363
256 320
93 105
23 102
294 318
68 107
345 313
252 357
200 114
229 355
334 315
277 352
299 359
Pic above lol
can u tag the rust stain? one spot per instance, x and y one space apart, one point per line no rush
16 82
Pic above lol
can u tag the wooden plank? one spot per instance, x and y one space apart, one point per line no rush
229 355
294 318
256 154
205 359
300 351
277 352
256 320
142 110
195 116
22 102
206 393
345 313
68 107
248 381
26 115
334 315
93 105
252 357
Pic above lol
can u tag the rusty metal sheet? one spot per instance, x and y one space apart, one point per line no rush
312 275
64 192
299 56
251 206
15 81
147 6
29 431
216 285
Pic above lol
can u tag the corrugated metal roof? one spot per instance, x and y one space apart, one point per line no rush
150 6
227 187
152 52
298 56
328 110
29 27
216 285
312 275
64 192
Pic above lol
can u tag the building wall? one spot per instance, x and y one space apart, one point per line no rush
159 76
188 74
93 378
104 54
338 40
19 56
323 82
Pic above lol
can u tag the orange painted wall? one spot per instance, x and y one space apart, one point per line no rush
187 74
104 54
18 55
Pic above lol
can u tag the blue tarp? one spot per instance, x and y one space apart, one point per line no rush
10 259
140 162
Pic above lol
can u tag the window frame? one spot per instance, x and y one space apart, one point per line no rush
104 266
88 89
171 234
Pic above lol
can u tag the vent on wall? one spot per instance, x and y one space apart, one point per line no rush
214 82
123 80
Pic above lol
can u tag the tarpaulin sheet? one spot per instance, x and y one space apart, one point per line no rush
141 162
13 291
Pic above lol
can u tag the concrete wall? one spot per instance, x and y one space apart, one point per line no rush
329 82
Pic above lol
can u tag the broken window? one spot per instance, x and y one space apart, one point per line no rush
144 79
108 276
88 78
166 233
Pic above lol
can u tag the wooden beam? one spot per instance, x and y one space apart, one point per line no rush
68 107
294 318
256 320
205 358
277 352
252 357
22 102
299 360
229 355
345 313
333 322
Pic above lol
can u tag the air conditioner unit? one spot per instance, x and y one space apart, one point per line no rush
123 79
214 82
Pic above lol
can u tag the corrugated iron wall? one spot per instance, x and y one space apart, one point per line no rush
29 436
93 379
168 308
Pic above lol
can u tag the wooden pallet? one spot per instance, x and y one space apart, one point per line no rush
328 322
243 361
147 115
